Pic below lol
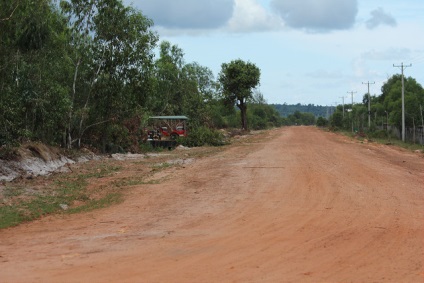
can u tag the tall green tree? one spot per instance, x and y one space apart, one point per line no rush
199 93
391 98
32 73
169 88
113 64
182 88
238 79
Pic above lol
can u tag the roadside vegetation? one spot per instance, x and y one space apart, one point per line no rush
61 193
383 138
385 120
89 73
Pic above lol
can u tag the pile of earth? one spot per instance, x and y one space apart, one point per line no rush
36 159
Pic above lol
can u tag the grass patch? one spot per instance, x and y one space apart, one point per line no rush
399 143
9 192
108 200
384 140
18 205
84 189
10 216
162 166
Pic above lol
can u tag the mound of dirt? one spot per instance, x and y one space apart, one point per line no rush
35 159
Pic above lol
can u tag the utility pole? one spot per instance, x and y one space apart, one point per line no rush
352 92
403 67
369 104
342 97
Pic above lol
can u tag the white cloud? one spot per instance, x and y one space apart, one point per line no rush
379 17
249 16
187 14
317 16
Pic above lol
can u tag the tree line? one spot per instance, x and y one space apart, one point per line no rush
385 108
286 110
86 72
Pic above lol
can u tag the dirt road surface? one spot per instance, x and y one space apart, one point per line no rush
292 205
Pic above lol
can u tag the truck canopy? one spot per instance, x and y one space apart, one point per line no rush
169 117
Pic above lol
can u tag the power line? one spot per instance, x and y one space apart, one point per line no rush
369 103
403 67
418 58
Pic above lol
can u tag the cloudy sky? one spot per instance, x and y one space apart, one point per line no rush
309 51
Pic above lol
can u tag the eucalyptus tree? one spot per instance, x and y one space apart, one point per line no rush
33 96
199 93
238 79
169 89
114 45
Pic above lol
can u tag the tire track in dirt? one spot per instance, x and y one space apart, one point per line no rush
294 205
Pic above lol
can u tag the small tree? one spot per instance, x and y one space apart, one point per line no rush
337 120
238 79
322 122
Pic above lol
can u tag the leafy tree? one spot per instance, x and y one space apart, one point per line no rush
84 72
322 122
112 62
168 85
238 78
337 120
288 109
199 92
260 114
32 35
299 118
181 88
392 94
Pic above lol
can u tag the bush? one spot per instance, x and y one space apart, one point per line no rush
322 122
202 136
381 134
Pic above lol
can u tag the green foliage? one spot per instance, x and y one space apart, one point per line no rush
31 77
263 116
299 118
380 134
337 120
238 79
84 72
65 191
386 108
286 110
322 122
201 136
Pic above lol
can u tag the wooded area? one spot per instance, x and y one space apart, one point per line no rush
91 72
85 72
286 110
385 109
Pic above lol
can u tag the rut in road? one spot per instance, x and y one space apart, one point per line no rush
292 205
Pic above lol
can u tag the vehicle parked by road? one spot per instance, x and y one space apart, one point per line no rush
164 130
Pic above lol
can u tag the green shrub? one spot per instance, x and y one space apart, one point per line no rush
381 134
322 122
201 136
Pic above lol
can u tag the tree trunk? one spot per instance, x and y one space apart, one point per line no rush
243 109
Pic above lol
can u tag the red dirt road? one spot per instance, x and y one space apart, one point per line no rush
300 205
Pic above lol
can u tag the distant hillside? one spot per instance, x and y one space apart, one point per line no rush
318 110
